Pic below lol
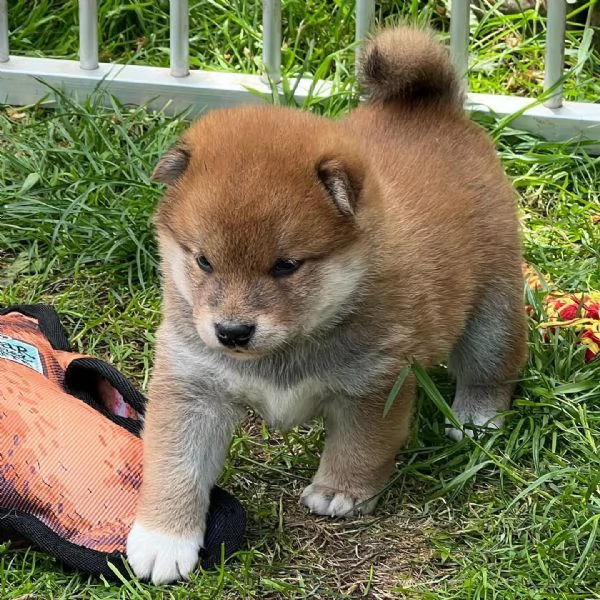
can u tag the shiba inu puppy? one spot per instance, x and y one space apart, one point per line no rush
306 262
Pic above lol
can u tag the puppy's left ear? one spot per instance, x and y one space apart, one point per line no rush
172 165
343 182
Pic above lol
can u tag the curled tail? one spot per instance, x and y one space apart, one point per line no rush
407 64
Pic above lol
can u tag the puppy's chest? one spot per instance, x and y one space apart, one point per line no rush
281 406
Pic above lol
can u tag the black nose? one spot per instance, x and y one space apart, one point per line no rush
232 334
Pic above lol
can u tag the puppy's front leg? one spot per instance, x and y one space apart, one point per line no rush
187 432
359 453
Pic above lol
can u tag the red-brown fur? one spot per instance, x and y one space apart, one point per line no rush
408 231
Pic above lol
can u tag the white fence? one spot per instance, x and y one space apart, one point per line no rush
177 88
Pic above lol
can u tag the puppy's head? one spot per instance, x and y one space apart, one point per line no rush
260 229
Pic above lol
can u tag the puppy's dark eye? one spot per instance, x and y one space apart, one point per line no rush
204 264
283 268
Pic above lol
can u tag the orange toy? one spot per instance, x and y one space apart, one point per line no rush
70 453
578 311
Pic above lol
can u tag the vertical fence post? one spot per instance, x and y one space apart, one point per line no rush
4 49
180 41
555 51
459 36
88 35
365 11
272 41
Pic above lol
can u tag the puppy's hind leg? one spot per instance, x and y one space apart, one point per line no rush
488 357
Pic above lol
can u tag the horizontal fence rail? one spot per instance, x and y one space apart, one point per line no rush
26 80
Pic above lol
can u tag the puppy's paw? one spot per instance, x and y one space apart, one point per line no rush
161 557
468 420
479 406
323 500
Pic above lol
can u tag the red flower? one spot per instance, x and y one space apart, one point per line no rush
592 342
593 310
569 311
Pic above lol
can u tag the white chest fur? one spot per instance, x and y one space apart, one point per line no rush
282 407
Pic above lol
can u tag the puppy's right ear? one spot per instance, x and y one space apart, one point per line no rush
172 165
343 182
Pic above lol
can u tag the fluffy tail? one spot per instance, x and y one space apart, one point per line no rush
408 65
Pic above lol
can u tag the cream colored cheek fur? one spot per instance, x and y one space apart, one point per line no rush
177 262
205 326
340 280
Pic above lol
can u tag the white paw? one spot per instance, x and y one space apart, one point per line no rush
161 557
324 500
489 420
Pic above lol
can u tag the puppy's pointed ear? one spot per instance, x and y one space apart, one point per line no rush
343 183
172 165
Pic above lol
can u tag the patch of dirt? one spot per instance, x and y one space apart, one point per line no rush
379 556
371 555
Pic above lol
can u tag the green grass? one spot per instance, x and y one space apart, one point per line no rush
514 514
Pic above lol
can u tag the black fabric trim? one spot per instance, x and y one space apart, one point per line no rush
80 382
44 538
48 322
132 425
226 525
80 368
